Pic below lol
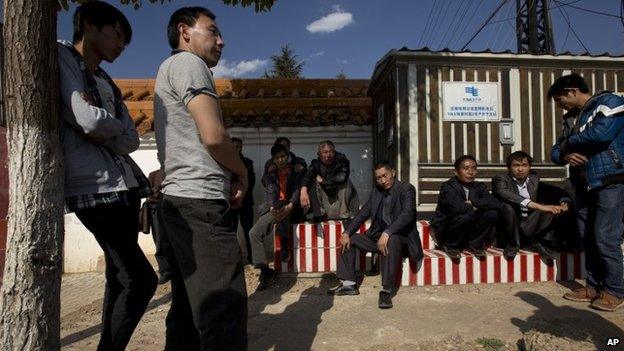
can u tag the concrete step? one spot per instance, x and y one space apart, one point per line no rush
315 250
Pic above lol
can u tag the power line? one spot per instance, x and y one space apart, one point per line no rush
567 20
593 11
509 8
468 23
457 12
420 41
434 19
503 2
550 8
439 20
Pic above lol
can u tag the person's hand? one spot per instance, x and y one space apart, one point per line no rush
382 243
554 209
565 207
575 159
304 198
283 212
345 241
271 168
298 168
319 179
237 192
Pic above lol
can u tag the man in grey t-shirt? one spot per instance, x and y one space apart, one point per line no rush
204 179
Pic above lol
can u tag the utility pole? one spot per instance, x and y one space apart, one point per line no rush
534 27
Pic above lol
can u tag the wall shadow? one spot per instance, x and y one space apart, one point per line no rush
296 326
567 322
94 330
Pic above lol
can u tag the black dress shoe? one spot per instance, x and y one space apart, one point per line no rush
477 252
267 279
343 290
452 253
544 252
510 252
385 299
163 278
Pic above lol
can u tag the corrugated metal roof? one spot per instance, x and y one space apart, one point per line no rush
381 65
489 51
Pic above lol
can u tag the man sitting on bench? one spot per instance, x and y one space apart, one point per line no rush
466 211
529 206
282 184
391 207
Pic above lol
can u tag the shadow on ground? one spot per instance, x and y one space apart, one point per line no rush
296 326
567 322
93 330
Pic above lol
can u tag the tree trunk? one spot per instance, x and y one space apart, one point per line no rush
30 294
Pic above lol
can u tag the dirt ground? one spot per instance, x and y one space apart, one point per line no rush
297 314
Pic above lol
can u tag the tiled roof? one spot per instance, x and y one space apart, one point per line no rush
268 102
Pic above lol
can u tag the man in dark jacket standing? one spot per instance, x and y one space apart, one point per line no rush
392 209
466 211
327 189
597 145
282 184
246 212
529 207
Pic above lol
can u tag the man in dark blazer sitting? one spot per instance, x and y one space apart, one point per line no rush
391 207
529 206
466 212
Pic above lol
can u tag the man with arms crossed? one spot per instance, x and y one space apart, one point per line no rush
103 185
204 179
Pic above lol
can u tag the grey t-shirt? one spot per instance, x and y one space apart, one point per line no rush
190 171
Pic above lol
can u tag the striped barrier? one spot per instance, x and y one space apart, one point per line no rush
315 248
437 268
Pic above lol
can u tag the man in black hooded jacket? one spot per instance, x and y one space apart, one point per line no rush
326 187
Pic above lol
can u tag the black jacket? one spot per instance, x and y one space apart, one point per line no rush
292 158
251 180
452 201
333 175
505 189
402 216
270 179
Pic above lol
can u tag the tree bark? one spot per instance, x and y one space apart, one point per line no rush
30 294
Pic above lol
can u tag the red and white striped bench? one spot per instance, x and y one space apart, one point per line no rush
315 249
437 268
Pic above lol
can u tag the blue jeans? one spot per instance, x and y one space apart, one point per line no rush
603 237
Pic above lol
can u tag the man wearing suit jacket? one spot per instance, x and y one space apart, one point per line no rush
391 207
466 212
529 206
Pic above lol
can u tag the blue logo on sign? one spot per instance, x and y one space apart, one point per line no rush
472 91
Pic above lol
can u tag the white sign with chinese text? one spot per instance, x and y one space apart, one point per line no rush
470 101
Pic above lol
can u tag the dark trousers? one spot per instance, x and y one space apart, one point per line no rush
469 229
130 279
397 245
163 265
246 216
524 230
209 299
603 237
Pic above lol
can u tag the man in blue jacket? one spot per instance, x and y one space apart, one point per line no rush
596 144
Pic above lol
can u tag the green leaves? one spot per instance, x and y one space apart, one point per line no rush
285 64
